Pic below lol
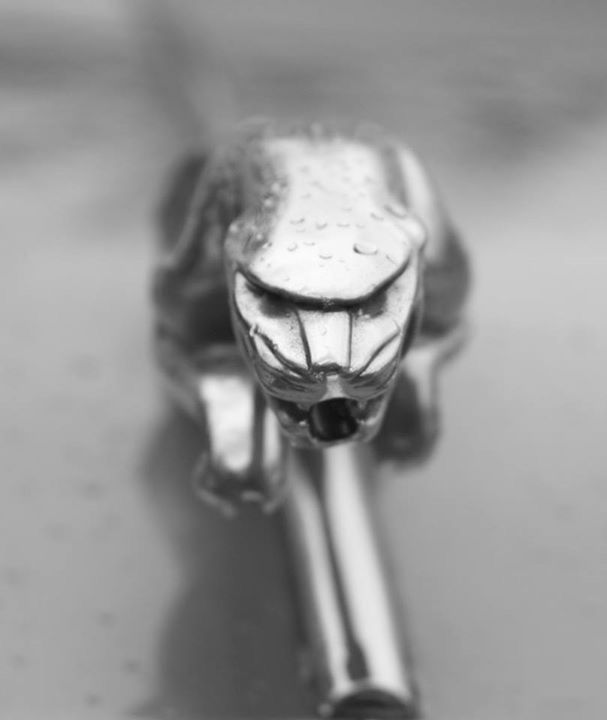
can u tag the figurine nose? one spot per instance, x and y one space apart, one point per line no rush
326 336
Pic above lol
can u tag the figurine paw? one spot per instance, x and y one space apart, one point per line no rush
411 427
244 459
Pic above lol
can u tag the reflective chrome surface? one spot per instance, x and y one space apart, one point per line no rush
336 253
326 318
355 643
241 453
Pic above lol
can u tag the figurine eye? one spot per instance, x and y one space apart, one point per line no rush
272 324
271 304
376 304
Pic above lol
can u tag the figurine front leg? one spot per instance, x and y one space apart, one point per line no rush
412 423
243 457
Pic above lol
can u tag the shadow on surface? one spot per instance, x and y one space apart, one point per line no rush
229 645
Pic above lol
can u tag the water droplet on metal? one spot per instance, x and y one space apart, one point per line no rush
309 241
360 226
323 331
396 210
325 254
363 248
292 246
321 225
259 237
343 224
296 221
376 216
268 203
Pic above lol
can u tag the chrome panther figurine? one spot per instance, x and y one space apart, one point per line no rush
309 287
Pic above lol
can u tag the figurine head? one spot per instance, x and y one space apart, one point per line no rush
323 270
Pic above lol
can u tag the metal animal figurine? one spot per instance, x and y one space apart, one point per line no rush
310 285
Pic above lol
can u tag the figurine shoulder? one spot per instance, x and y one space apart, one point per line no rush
422 198
447 275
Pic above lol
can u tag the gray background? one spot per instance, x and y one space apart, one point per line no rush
118 594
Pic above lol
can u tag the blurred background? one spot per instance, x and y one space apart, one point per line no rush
119 595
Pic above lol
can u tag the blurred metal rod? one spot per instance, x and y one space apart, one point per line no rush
356 652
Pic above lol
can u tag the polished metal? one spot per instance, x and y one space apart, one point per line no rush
310 287
323 256
242 456
355 645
